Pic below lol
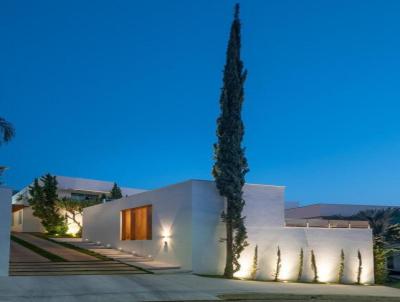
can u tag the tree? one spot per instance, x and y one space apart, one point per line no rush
385 225
230 164
314 267
359 271
7 131
254 267
278 264
341 267
301 261
74 208
115 192
43 199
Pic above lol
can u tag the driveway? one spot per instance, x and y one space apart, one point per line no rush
160 288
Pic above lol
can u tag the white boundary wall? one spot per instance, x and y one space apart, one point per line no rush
5 227
188 215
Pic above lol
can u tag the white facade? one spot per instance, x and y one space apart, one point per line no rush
187 228
24 221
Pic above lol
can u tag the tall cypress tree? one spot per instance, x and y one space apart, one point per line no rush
230 163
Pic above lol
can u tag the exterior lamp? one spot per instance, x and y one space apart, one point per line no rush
166 235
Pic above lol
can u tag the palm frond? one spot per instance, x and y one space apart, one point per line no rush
7 131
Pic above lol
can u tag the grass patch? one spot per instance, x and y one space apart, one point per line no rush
52 257
220 277
304 298
393 283
73 247
64 236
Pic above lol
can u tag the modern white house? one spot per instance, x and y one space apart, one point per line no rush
180 224
68 187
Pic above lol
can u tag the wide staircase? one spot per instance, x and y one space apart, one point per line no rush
143 262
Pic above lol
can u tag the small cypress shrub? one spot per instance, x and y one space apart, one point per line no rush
341 267
314 267
254 267
278 264
359 267
380 263
301 261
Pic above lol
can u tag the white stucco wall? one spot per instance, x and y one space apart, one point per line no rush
5 226
172 215
326 244
263 208
30 223
16 218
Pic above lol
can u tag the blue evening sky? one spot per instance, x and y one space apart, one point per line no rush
128 91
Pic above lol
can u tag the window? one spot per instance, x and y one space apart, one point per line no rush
136 223
82 196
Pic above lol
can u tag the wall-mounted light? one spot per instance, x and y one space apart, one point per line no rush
166 235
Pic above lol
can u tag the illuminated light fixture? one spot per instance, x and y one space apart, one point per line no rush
108 246
166 235
86 239
98 242
120 249
149 256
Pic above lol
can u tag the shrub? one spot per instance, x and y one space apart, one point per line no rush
301 261
278 264
254 267
314 267
359 267
341 267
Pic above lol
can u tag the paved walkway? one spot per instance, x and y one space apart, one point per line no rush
19 253
160 288
54 248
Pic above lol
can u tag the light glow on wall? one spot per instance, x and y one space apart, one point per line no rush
245 267
327 263
166 236
286 271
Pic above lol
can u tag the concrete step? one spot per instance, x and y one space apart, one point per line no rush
72 269
65 273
